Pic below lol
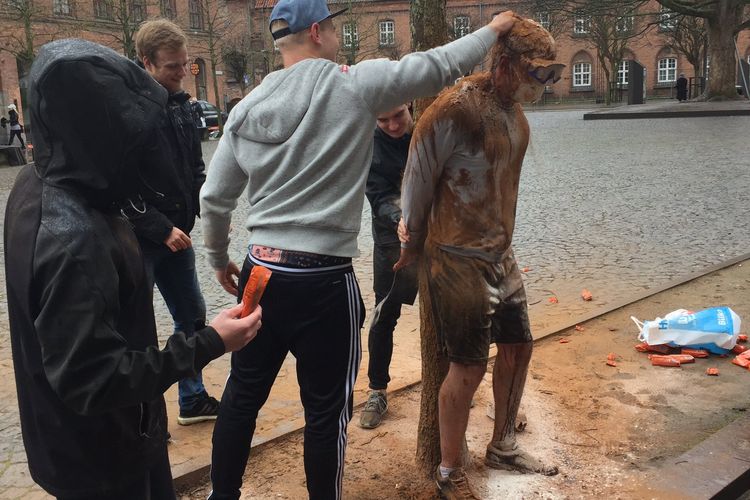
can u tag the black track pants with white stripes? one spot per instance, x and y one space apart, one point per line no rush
317 316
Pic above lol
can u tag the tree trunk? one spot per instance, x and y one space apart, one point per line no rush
434 369
723 71
428 30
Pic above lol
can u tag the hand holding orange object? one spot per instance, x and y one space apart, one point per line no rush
741 337
739 349
254 288
586 295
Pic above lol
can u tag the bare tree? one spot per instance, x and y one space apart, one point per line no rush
360 37
724 19
33 33
688 37
119 20
607 25
211 17
428 29
236 55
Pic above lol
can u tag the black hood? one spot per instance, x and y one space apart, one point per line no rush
95 116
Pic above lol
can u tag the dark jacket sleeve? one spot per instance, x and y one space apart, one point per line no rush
87 362
148 222
384 197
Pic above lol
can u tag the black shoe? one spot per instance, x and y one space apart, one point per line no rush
206 408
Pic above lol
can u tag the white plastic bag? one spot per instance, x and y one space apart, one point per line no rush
715 329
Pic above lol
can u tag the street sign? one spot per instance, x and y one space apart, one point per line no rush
195 69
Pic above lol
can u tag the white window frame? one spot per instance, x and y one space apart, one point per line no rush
461 26
62 7
622 73
667 19
667 70
387 31
624 24
582 74
350 34
582 24
544 19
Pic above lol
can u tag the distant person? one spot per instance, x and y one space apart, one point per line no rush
89 373
682 87
164 212
383 190
198 117
15 126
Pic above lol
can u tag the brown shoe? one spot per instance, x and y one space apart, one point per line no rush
456 486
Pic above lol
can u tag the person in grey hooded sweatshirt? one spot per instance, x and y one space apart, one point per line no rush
301 143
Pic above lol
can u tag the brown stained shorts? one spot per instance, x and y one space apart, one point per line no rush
474 303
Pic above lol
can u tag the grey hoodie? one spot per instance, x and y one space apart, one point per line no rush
302 143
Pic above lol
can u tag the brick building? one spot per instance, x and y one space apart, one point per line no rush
381 29
101 21
370 28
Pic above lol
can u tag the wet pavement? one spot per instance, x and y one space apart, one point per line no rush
616 207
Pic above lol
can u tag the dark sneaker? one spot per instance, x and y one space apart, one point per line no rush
456 486
375 408
205 409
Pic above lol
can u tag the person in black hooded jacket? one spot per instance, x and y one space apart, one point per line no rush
88 370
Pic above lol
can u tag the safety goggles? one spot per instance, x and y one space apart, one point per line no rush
542 71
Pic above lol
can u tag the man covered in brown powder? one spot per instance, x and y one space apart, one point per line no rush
459 208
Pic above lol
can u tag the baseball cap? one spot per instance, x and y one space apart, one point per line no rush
299 15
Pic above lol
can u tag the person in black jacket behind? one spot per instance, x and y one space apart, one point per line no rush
88 370
165 212
390 151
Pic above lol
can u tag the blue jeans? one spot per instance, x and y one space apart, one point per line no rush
174 274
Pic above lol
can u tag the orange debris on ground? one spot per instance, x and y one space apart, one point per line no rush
586 295
741 361
525 269
564 340
611 356
739 349
579 328
696 353
658 348
611 362
553 300
712 371
667 361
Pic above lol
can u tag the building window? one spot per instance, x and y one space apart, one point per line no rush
622 73
624 24
169 9
582 74
387 33
137 10
544 20
102 9
62 8
667 70
582 24
350 35
196 14
667 19
461 26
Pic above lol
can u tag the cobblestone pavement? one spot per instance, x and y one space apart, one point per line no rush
616 207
